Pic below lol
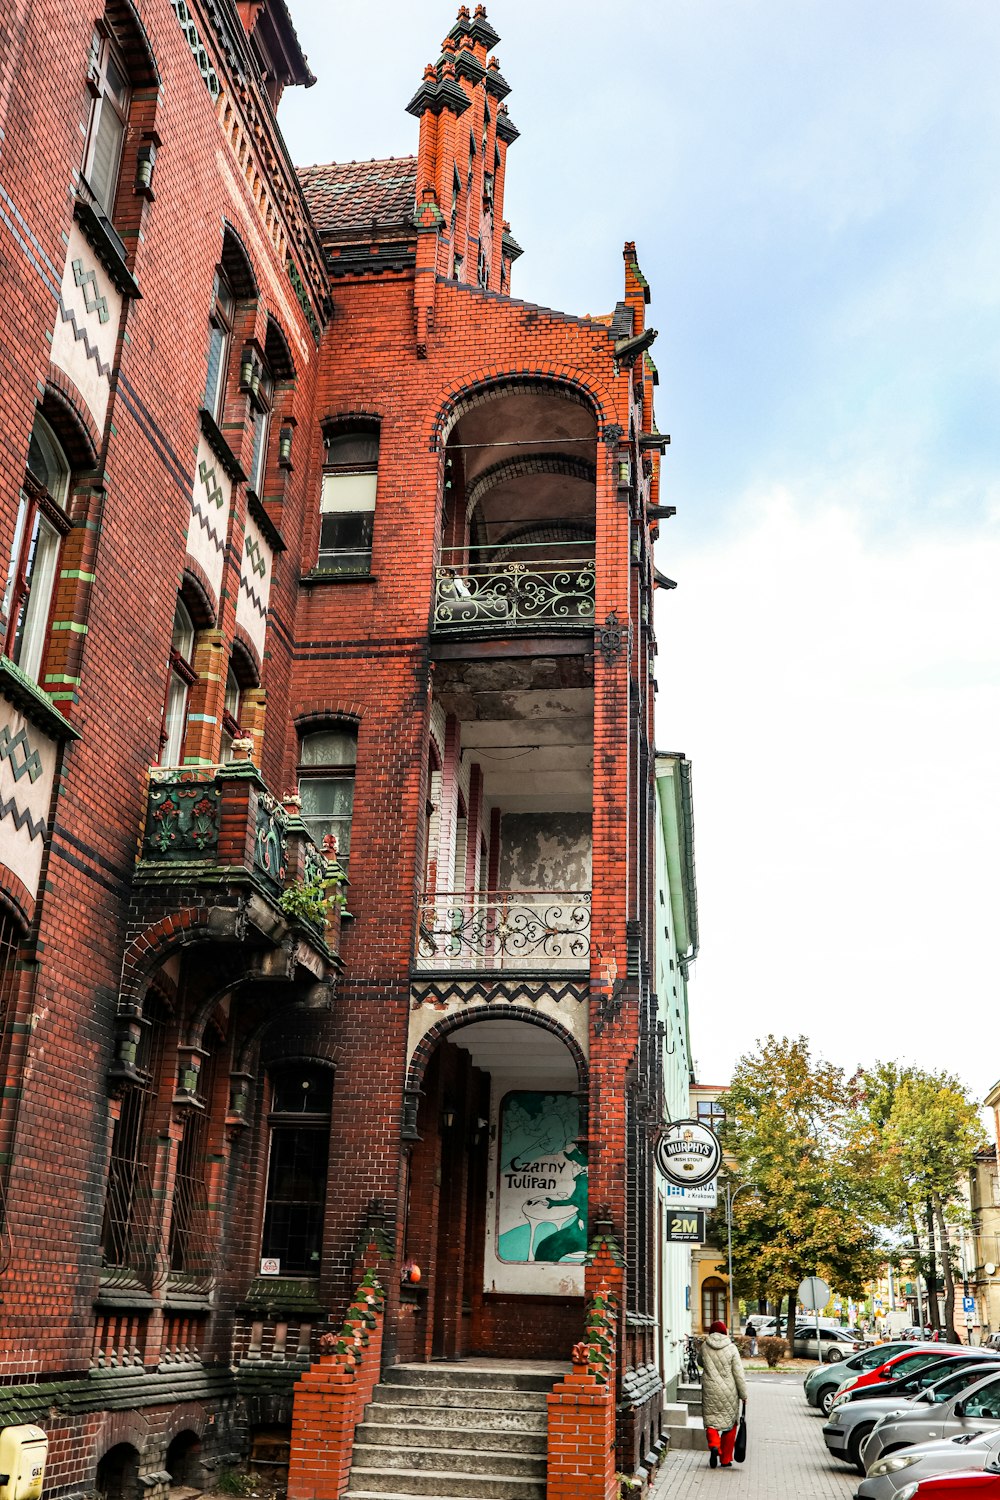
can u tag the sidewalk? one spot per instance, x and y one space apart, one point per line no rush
786 1455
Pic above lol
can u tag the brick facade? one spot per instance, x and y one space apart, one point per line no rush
161 981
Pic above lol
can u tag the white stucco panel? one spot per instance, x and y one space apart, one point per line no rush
255 585
210 502
86 328
27 770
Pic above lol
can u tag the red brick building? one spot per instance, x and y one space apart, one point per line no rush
297 495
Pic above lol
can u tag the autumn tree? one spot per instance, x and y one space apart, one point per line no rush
803 1209
920 1129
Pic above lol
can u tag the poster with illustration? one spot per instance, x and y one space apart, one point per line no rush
542 1187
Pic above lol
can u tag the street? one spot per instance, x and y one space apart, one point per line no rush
786 1455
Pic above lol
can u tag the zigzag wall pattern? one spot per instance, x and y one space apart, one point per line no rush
82 337
92 299
10 809
513 993
32 762
206 523
247 588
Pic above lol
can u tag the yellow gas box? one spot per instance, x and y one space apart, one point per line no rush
23 1451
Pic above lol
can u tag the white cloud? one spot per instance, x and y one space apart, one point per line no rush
839 699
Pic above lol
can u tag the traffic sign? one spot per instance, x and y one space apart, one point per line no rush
814 1293
968 1304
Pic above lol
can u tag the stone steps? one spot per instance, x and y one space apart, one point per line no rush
464 1431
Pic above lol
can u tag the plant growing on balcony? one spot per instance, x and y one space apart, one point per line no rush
312 900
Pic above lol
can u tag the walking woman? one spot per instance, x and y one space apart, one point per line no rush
722 1389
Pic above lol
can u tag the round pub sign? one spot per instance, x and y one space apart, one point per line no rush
688 1153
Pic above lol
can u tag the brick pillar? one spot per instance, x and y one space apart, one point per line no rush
581 1453
330 1399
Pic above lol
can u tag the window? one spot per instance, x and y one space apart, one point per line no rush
711 1113
261 397
984 1403
347 504
108 120
129 1202
326 786
713 1302
220 333
40 525
296 1169
182 674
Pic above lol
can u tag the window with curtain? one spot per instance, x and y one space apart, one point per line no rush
347 502
326 785
39 528
220 335
108 125
180 677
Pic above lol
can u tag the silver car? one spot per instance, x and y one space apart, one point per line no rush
967 1401
980 1450
851 1422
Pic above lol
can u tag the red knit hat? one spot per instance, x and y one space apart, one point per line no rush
718 1327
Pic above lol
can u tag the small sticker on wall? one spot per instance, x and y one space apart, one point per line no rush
269 1266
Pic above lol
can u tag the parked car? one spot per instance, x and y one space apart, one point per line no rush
851 1422
899 1366
966 1401
993 1342
822 1384
834 1342
967 1484
898 1472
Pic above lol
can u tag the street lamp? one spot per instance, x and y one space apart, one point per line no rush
731 1198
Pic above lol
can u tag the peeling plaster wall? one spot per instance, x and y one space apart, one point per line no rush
545 851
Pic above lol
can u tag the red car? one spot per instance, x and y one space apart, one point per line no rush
966 1484
897 1365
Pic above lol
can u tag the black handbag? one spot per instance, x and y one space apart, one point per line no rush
740 1451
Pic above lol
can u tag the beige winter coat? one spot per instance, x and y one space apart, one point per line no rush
722 1384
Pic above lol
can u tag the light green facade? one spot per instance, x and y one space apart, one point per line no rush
676 945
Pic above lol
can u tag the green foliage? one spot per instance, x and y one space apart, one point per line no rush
232 1482
310 901
787 1126
773 1350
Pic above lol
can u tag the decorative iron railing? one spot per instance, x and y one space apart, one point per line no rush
504 930
530 587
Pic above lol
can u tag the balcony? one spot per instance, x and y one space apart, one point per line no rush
208 826
533 587
512 931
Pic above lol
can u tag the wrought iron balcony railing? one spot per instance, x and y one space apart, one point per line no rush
504 930
536 587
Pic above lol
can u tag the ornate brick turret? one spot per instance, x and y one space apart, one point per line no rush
465 132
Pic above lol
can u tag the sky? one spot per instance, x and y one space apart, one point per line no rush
815 196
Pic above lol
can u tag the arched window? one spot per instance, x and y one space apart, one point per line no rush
181 676
713 1302
261 402
109 83
38 531
347 502
299 1144
241 676
326 785
220 335
129 1202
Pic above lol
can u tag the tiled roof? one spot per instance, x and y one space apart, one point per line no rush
348 195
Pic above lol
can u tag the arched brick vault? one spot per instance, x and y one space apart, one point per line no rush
121 1427
493 1011
150 950
571 468
497 385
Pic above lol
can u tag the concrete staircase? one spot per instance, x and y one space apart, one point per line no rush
683 1420
474 1430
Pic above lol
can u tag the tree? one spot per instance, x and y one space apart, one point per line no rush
924 1126
804 1213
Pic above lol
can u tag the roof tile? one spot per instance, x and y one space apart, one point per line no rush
345 196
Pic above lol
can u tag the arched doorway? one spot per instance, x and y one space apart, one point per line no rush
118 1473
497 1192
713 1302
183 1461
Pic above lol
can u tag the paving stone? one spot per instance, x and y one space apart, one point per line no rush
786 1456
